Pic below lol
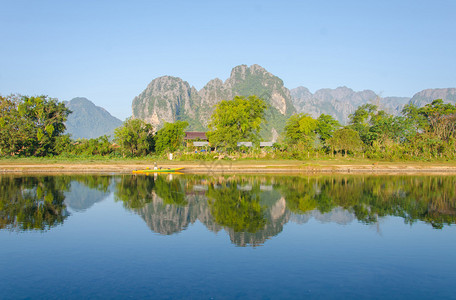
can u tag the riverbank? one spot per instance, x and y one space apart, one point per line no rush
221 166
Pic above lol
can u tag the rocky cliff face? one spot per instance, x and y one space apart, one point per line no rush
427 96
393 105
339 102
168 99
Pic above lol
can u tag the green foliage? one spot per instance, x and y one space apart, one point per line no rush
416 120
326 125
301 129
273 120
346 139
362 120
238 120
30 126
171 137
431 131
135 137
441 119
88 147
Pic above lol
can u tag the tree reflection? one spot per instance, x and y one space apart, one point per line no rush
430 199
304 195
95 182
32 203
134 191
171 191
252 209
239 210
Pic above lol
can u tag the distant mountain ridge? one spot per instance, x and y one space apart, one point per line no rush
343 101
426 96
88 120
168 99
339 102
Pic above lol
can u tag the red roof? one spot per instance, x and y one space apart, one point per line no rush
195 135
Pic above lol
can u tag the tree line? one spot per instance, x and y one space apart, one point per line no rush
35 126
419 132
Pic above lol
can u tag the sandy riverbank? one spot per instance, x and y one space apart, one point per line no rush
217 167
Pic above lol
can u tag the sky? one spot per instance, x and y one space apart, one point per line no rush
109 51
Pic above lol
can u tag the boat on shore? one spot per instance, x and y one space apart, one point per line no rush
161 170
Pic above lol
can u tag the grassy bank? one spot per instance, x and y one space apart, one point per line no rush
126 165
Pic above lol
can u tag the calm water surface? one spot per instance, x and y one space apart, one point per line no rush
225 237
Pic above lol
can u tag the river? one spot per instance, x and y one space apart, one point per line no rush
227 237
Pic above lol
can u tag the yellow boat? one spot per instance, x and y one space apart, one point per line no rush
147 171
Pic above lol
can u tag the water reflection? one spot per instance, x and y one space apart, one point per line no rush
85 191
42 202
28 203
251 209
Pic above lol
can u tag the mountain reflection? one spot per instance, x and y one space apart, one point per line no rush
251 209
85 191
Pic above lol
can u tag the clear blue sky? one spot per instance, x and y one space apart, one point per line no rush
108 51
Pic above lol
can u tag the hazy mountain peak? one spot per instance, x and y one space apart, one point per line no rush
88 120
428 95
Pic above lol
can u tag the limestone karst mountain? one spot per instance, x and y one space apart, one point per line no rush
168 99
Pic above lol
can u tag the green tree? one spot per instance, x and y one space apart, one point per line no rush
361 121
433 129
12 128
30 126
326 125
440 117
416 120
171 137
236 120
301 129
377 126
346 139
135 137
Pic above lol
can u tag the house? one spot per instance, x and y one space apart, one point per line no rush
195 136
245 144
196 139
